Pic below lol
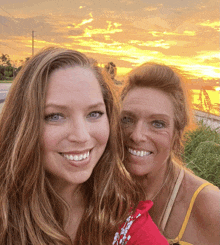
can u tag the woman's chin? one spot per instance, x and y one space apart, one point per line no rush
137 170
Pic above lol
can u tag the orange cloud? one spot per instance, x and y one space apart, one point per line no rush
86 21
165 33
150 9
215 24
90 31
156 44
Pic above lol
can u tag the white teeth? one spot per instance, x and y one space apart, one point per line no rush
139 153
76 157
71 157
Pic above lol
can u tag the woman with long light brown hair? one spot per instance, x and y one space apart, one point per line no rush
61 176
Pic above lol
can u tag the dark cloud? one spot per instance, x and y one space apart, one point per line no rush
71 25
24 26
75 32
173 3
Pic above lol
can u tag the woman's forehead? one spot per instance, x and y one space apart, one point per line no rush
150 100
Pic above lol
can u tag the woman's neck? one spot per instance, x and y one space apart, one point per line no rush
70 193
159 187
153 182
74 197
76 208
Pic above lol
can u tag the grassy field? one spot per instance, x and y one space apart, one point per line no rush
6 81
202 153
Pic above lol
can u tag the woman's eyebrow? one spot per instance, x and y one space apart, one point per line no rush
92 106
160 115
127 112
55 106
96 105
153 116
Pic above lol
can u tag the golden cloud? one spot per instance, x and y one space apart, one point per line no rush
150 9
215 24
86 21
89 32
156 44
165 33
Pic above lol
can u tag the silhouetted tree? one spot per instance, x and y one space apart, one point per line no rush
112 71
5 60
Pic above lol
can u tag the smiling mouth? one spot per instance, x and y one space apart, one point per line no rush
139 153
76 157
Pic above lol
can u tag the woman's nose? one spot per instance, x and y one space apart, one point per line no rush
79 131
139 133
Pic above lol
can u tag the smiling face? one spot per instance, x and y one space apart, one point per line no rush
147 119
76 127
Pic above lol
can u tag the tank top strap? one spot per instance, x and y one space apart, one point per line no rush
172 199
182 230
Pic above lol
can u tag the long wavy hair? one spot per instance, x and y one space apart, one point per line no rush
170 81
31 210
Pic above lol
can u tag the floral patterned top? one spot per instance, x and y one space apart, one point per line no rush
139 229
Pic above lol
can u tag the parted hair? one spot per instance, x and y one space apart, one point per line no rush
31 211
170 81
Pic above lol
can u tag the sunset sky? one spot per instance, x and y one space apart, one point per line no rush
184 33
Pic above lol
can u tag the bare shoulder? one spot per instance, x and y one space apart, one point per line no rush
206 209
208 199
207 205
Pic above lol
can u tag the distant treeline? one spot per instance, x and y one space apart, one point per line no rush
9 68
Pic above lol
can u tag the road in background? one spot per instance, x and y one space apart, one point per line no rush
4 88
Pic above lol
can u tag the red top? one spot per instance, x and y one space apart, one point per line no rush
139 229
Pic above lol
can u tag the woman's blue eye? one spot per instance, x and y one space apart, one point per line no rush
54 117
158 124
95 114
